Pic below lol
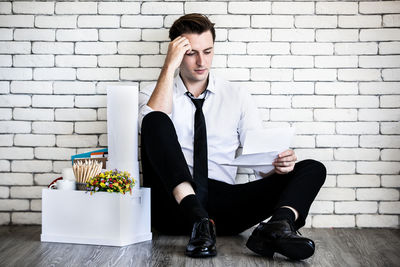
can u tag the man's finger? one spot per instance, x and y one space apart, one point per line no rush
285 153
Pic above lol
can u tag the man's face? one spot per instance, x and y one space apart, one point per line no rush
196 63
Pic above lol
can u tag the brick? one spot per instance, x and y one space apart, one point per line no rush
249 7
45 178
75 114
272 21
141 21
119 34
16 21
292 62
55 21
5 8
31 166
251 35
377 220
6 34
340 167
379 61
337 141
5 165
52 101
329 221
271 74
118 8
162 8
76 141
291 115
31 114
336 194
268 101
315 21
14 204
5 217
336 61
233 74
311 48
391 74
158 61
321 207
293 35
248 61
16 178
4 193
303 141
140 74
77 35
207 7
271 48
390 128
357 102
74 87
138 48
380 141
16 153
59 165
315 75
36 205
389 207
6 140
170 19
380 88
76 61
358 180
26 218
390 180
52 127
230 48
98 21
91 101
389 48
54 74
314 127
292 88
4 87
5 113
378 115
336 8
255 87
292 8
34 35
379 34
33 60
333 88
390 101
31 87
99 74
360 21
380 167
390 154
54 153
102 114
96 48
391 20
15 47
379 7
337 35
356 207
52 48
313 101
34 140
76 8
15 74
356 48
15 127
357 127
320 154
230 21
15 101
5 60
96 127
33 8
359 75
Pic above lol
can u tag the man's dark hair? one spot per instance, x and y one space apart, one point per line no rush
191 23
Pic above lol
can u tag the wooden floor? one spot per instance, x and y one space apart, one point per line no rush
20 246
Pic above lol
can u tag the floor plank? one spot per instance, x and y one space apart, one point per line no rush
20 246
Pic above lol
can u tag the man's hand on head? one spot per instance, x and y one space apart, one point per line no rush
176 51
285 162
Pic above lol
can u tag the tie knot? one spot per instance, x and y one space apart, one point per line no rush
198 102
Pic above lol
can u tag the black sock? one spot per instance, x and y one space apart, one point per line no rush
192 208
283 214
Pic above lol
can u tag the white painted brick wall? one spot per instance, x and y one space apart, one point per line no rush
329 68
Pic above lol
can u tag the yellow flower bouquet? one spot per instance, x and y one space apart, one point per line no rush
111 181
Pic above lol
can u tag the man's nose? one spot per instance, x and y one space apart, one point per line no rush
200 59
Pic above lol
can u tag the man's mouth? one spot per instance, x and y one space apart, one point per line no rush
200 71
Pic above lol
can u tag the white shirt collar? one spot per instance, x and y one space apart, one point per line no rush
181 89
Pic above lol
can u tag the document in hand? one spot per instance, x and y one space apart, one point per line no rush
261 147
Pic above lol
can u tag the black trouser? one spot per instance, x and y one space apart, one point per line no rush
234 208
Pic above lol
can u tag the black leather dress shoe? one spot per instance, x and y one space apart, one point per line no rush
279 236
202 242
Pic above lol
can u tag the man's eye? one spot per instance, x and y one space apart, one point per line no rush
190 54
207 52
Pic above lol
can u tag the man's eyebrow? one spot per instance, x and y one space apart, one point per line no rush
211 47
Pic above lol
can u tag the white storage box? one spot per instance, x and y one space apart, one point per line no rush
100 219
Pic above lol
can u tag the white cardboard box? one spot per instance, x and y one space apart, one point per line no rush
102 218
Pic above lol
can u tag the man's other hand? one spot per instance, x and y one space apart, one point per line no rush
285 161
176 51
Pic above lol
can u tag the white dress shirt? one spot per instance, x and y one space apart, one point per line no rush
229 112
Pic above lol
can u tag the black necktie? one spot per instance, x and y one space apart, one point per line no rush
200 164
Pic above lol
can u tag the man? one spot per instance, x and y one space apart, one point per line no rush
192 123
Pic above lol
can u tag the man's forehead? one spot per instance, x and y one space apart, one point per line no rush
200 41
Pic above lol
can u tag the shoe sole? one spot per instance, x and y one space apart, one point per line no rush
201 254
294 250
